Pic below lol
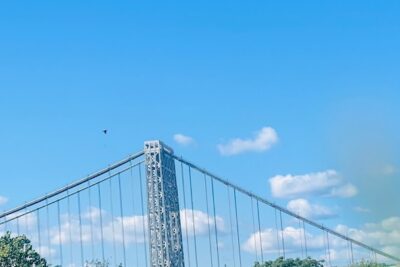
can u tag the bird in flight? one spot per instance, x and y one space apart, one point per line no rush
105 131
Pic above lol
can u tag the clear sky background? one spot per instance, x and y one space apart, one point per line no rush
323 75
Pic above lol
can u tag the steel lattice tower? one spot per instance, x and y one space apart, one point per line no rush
163 207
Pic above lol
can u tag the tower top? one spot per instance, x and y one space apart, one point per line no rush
157 145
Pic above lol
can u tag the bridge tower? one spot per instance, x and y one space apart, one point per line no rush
166 248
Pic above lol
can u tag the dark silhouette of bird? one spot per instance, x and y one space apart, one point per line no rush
105 131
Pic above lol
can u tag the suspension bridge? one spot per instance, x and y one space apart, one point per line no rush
156 209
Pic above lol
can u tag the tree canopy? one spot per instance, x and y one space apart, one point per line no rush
281 262
18 251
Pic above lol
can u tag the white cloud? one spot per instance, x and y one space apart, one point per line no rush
183 139
201 222
93 213
3 200
361 209
327 182
263 140
384 235
27 221
313 211
294 240
135 226
46 251
389 169
345 191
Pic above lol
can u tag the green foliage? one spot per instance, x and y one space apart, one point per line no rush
309 262
99 263
18 251
368 264
281 262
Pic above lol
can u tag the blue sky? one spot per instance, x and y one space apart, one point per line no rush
322 75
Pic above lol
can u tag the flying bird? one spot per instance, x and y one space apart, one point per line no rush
105 131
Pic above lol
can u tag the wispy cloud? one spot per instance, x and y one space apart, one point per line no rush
327 182
304 208
201 222
3 200
383 235
389 169
263 140
183 139
361 209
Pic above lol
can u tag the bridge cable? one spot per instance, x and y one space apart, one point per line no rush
301 240
277 232
143 214
254 228
351 251
194 227
259 231
48 228
348 252
18 226
80 227
38 229
59 232
112 222
237 228
282 235
133 210
215 221
329 249
122 218
101 223
305 239
91 219
69 228
208 221
231 226
184 208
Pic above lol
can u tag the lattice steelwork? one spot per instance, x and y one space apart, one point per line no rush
163 206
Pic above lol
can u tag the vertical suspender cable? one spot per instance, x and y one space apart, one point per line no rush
48 228
133 212
91 219
122 218
59 232
112 221
215 221
329 249
18 226
184 208
38 229
351 251
301 240
26 222
101 223
325 247
305 239
80 227
208 221
277 232
194 223
259 231
237 228
231 226
69 228
143 214
282 235
254 228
